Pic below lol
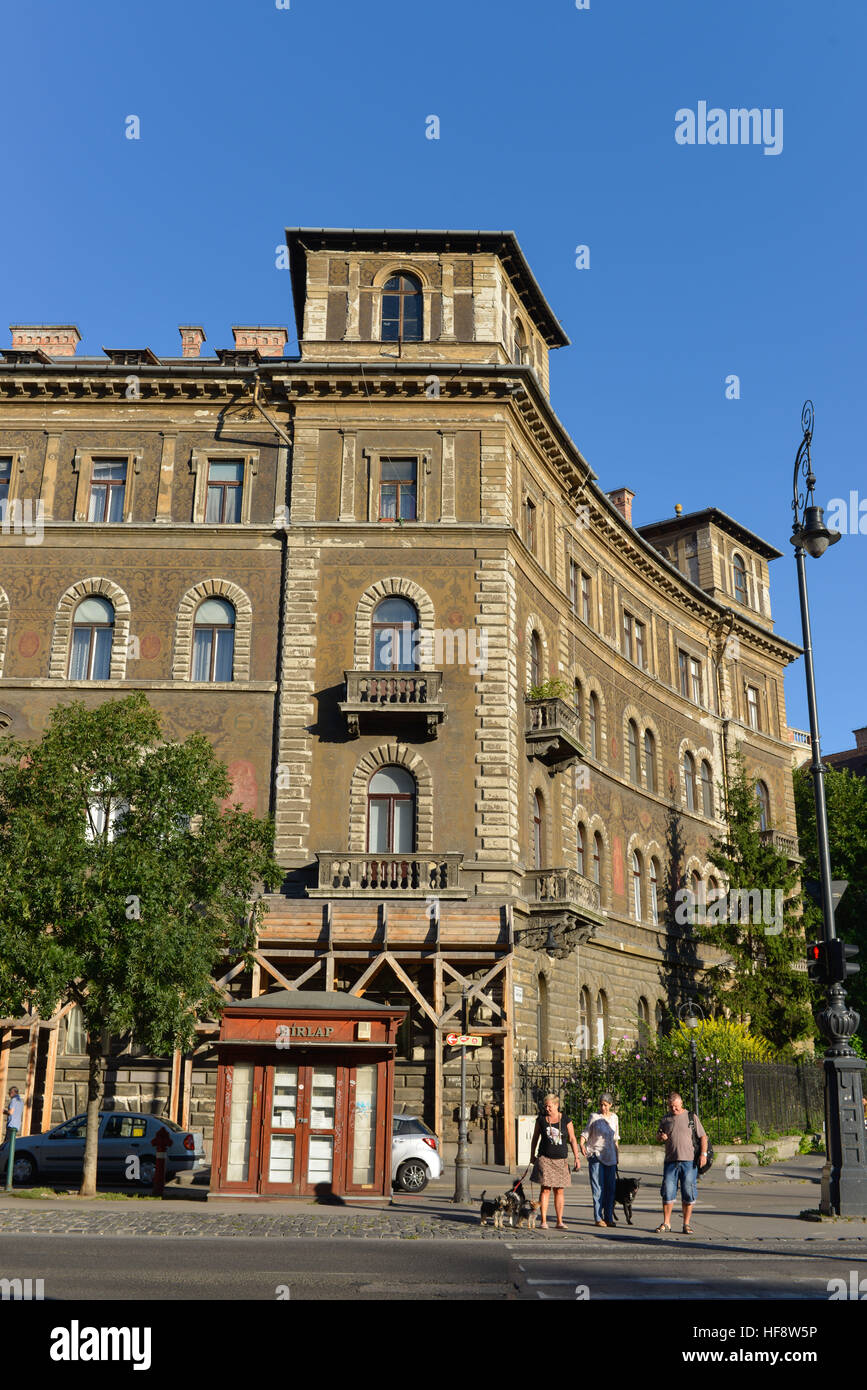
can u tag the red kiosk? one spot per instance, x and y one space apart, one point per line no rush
305 1096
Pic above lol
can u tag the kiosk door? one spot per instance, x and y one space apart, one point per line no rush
302 1128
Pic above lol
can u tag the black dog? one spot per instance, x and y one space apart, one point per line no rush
624 1193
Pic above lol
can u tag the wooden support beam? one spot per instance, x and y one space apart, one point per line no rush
475 989
48 1088
230 974
297 983
5 1048
256 981
272 970
186 1089
32 1052
438 1047
175 1085
411 989
509 1072
373 969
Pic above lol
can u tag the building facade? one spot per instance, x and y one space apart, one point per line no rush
492 719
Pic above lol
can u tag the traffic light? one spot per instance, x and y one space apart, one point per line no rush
817 963
840 963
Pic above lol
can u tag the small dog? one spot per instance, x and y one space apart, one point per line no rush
521 1209
624 1193
493 1209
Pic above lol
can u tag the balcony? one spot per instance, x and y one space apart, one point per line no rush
785 844
407 875
377 697
565 908
552 734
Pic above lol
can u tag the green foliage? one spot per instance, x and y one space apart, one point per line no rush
554 689
125 873
725 1038
846 801
768 1156
756 980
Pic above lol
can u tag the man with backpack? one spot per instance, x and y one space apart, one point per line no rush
685 1155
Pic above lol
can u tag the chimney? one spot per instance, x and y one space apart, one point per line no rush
191 339
623 499
270 341
55 339
861 739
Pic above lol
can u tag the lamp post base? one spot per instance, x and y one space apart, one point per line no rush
844 1176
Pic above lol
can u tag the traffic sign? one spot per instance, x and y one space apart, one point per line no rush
464 1039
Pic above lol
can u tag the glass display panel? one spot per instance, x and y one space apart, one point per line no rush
364 1144
238 1163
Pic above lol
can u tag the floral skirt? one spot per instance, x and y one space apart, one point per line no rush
551 1172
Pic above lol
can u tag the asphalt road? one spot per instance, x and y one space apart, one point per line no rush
624 1266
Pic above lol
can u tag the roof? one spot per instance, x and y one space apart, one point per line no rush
721 519
307 1000
503 244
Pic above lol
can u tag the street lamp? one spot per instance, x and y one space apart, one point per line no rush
844 1176
691 1019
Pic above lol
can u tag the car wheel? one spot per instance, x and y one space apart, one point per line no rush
24 1169
412 1176
146 1169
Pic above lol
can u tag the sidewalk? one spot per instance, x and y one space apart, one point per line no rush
763 1204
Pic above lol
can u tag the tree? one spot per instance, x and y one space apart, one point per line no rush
125 877
846 800
758 924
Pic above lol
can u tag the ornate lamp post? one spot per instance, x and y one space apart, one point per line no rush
844 1176
691 1018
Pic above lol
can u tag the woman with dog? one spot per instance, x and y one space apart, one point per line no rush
600 1145
554 1136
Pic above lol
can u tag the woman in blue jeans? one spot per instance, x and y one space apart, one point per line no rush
600 1145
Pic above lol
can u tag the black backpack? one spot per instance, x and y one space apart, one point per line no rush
696 1149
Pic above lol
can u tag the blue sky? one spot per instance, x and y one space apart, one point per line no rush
705 261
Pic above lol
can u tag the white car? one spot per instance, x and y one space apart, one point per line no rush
415 1154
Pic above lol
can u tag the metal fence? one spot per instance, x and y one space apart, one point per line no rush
731 1096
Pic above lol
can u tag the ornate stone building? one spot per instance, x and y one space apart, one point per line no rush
492 719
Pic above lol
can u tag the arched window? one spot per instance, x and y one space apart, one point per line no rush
689 780
654 892
391 794
584 1023
696 887
213 641
582 849
597 858
636 885
713 891
650 760
401 309
706 790
659 1016
535 659
92 633
75 1039
739 571
601 1020
542 1018
593 726
764 801
395 622
643 1021
632 744
578 702
538 831
522 354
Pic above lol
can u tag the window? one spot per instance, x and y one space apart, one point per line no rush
538 831
585 598
753 718
636 885
107 487
225 487
639 645
401 309
632 745
627 635
530 525
650 760
654 892
695 679
391 795
578 701
713 891
689 780
689 668
695 886
584 1022
593 726
92 633
397 490
125 1127
692 557
739 573
582 844
764 801
683 669
573 586
597 859
522 354
213 641
395 623
601 1020
5 483
75 1041
535 660
706 790
643 1021
633 639
659 1015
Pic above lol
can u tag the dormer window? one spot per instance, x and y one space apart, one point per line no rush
739 571
401 309
522 351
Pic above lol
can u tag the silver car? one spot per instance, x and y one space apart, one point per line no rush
122 1136
415 1154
